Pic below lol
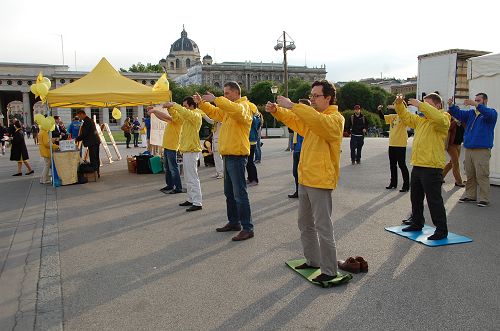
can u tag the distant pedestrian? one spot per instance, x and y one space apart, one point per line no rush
127 129
3 136
34 131
455 139
74 127
136 130
398 137
144 134
258 145
253 178
19 152
357 126
478 141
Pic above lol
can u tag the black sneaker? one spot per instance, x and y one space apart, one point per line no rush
323 278
194 208
167 188
462 200
185 204
483 204
437 236
412 228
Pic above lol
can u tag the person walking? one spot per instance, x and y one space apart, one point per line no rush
398 137
357 127
190 148
136 129
34 132
322 128
478 141
455 139
233 111
428 160
19 152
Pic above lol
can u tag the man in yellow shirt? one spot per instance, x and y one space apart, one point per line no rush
398 137
190 148
171 139
428 160
322 127
233 111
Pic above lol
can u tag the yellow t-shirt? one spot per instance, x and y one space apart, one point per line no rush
398 135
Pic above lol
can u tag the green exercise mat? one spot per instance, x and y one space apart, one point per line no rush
309 274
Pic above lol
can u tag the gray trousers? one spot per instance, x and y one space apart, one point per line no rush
316 228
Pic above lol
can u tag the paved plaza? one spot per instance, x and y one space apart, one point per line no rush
120 255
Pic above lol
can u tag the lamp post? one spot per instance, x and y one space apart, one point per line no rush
274 91
285 45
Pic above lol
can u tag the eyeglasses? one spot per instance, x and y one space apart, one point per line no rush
314 96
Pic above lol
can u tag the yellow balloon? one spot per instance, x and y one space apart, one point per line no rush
43 90
51 120
39 118
47 82
46 124
34 90
116 113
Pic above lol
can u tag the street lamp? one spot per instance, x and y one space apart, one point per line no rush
285 45
274 91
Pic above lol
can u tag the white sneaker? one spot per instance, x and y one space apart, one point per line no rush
219 177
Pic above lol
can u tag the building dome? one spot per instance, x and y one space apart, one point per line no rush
207 57
184 44
207 60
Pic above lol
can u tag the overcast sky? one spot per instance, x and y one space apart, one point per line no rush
354 39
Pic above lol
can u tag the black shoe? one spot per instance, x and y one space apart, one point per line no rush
323 278
18 174
293 196
412 228
229 227
167 188
194 208
175 191
305 266
31 172
391 186
437 236
358 162
404 189
462 200
185 203
408 221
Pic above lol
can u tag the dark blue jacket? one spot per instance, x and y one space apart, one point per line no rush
298 146
254 129
479 130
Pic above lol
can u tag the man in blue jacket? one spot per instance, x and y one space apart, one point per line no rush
478 141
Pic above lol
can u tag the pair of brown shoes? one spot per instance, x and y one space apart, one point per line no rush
353 264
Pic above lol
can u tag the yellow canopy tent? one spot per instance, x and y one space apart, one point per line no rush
104 87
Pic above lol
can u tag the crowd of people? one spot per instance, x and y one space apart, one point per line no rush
317 131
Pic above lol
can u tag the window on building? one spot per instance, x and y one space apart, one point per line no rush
188 63
95 111
217 84
177 64
172 66
130 112
111 118
73 112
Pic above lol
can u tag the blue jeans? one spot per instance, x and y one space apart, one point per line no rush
258 153
172 175
235 190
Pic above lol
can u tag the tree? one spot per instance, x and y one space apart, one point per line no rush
139 67
354 93
260 93
379 97
298 89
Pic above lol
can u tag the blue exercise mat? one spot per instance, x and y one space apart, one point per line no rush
421 236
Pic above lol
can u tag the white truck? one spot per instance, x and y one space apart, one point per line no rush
445 72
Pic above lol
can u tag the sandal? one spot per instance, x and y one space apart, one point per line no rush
31 172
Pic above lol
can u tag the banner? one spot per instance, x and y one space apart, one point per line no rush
157 129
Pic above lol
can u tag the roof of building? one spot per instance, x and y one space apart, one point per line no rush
184 44
461 53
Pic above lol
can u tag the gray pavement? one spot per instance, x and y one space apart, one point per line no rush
120 255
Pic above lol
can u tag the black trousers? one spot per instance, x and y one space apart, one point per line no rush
295 169
427 182
397 157
251 168
94 157
357 143
128 137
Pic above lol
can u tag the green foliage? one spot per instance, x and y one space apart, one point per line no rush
269 120
260 93
180 92
298 89
354 93
139 67
379 97
372 119
412 95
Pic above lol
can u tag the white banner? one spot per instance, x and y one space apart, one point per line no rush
157 129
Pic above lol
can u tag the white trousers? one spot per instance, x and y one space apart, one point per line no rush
190 162
144 142
219 166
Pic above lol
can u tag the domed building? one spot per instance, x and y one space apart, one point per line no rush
184 54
